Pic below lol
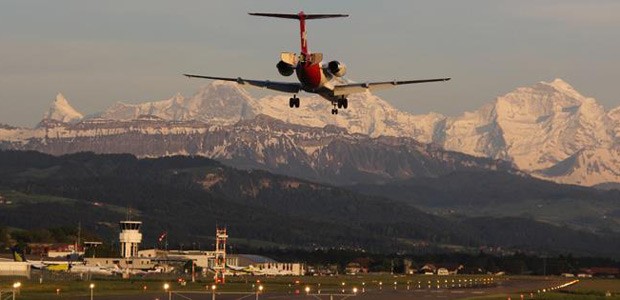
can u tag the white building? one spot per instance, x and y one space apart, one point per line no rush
130 237
14 268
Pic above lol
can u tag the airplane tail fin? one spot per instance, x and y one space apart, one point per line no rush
302 17
18 254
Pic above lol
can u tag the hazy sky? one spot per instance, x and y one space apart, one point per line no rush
99 52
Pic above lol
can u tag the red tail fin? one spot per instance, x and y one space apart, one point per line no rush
302 17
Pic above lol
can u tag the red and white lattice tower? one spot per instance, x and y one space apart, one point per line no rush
220 254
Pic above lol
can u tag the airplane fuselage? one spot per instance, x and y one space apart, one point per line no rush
310 75
315 78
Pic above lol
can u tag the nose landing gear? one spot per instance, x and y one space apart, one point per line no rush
293 102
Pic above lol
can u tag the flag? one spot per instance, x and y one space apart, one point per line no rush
162 236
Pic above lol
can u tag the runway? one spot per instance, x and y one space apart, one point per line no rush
508 286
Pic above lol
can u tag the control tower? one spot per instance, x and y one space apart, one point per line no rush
130 237
220 254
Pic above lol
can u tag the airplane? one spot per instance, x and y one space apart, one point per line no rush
19 256
133 271
82 268
61 266
247 270
313 74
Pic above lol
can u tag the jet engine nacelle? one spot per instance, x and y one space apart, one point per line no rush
285 68
336 68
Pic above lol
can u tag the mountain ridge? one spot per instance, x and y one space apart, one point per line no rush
328 154
60 110
548 130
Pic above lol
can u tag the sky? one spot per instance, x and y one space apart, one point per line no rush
100 52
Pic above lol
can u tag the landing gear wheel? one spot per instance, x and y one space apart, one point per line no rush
334 111
345 103
293 102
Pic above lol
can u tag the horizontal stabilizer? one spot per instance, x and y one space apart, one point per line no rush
299 16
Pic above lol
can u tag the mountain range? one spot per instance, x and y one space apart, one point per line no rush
547 130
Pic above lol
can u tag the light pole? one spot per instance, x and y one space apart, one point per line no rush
307 290
355 290
213 287
92 288
259 290
166 288
16 287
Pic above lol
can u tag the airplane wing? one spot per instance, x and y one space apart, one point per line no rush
286 87
346 89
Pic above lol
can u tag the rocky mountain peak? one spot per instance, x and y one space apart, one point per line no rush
537 127
60 110
560 84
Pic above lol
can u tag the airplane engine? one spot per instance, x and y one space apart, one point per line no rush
336 68
285 69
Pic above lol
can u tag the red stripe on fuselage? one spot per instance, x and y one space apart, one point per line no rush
309 75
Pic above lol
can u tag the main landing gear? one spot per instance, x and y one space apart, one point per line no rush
293 102
340 103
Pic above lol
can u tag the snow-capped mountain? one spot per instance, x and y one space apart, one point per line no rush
539 126
224 103
614 116
60 110
548 130
542 129
220 103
